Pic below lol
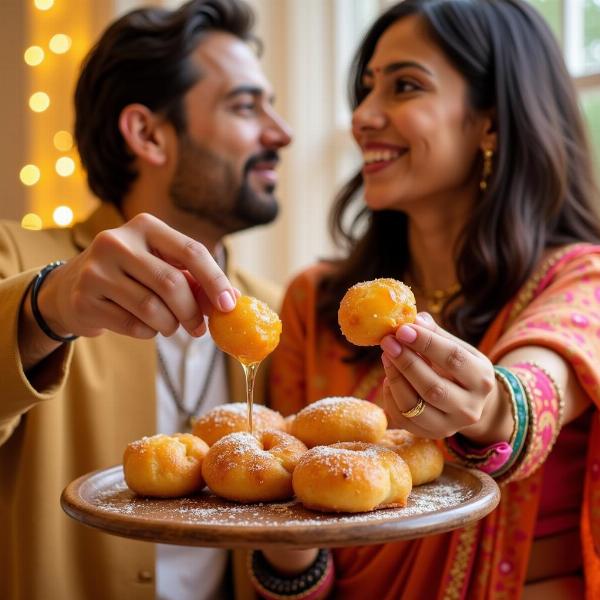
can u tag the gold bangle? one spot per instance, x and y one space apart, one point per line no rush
501 378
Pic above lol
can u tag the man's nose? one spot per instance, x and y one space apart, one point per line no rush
277 133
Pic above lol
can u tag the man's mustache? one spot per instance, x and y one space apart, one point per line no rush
266 156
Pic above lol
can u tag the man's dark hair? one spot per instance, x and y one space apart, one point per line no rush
143 57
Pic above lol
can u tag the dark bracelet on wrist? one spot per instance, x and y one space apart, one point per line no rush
35 309
277 585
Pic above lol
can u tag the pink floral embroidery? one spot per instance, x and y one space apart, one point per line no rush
579 320
505 567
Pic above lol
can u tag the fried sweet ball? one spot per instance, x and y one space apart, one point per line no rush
339 419
249 332
373 309
351 477
230 418
423 457
253 468
165 466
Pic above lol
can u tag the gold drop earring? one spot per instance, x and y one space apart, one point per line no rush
488 155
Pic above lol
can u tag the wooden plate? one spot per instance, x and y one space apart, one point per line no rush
103 500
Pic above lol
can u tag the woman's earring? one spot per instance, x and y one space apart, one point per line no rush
488 155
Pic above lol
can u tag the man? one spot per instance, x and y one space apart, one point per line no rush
176 129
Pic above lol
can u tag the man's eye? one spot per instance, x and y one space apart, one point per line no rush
245 107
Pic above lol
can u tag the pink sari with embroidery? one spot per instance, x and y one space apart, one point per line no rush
558 308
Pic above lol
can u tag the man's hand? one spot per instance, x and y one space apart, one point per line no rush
139 279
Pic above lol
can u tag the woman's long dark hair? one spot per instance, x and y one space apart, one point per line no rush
542 191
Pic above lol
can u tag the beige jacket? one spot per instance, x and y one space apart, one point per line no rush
75 414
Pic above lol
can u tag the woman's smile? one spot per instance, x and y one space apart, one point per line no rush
378 156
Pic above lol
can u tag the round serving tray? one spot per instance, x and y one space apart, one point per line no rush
102 499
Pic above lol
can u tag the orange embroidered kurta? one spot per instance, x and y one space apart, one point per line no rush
558 308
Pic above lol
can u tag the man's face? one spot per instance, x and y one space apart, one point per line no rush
227 157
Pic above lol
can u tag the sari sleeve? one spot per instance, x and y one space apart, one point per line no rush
559 312
564 316
288 380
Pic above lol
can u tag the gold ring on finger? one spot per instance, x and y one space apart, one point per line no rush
416 410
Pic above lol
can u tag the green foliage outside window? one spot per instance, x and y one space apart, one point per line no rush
552 10
591 106
591 26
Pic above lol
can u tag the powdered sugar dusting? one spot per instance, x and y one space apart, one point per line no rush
332 402
343 406
232 416
224 412
206 509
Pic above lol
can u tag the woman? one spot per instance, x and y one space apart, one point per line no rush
478 192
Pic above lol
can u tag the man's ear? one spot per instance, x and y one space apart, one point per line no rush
144 133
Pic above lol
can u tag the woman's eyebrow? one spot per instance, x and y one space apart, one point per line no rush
396 66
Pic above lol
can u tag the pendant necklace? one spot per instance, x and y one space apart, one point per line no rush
188 416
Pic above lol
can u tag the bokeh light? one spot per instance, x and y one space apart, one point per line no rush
60 43
65 166
63 140
39 101
31 221
33 56
43 4
62 216
29 175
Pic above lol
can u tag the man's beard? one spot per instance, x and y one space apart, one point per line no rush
207 186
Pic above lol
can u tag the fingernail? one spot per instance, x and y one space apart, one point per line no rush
226 301
391 346
200 330
423 318
406 334
385 360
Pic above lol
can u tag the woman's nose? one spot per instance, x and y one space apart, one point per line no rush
368 115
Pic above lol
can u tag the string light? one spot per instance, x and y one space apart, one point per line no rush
60 43
29 175
43 4
31 221
65 166
33 56
39 102
51 140
62 216
63 141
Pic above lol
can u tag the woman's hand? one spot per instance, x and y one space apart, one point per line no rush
291 562
454 379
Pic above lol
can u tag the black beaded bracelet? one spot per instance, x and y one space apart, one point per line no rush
35 309
292 586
